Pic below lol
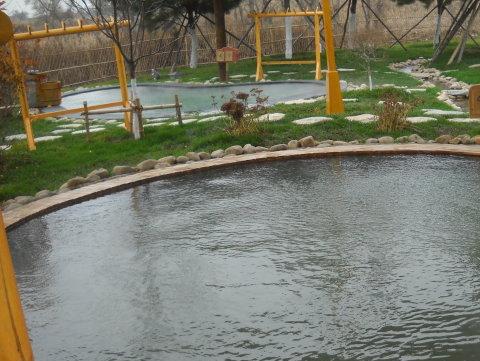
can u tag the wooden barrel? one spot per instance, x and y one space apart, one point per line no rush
49 94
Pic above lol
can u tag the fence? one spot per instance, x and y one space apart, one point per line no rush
90 57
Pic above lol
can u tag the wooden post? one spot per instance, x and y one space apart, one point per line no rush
334 93
138 109
318 67
178 110
14 340
258 47
22 95
122 80
220 34
87 120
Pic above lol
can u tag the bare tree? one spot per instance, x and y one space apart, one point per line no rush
133 34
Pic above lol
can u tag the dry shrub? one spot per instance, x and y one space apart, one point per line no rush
392 115
236 108
8 83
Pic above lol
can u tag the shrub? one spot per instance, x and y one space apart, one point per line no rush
236 108
392 114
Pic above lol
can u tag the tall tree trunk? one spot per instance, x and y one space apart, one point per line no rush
133 96
221 34
191 29
352 24
438 28
288 32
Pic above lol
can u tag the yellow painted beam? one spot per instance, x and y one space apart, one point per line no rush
14 341
59 113
22 95
122 80
285 14
288 62
64 30
258 48
318 68
334 93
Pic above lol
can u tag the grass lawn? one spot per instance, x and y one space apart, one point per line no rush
25 173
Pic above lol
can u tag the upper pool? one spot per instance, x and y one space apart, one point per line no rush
350 258
195 98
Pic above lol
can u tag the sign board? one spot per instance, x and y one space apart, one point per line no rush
227 55
6 28
474 101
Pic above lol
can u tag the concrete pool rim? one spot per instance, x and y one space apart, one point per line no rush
18 216
193 85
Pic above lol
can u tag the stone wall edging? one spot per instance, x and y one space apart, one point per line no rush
18 216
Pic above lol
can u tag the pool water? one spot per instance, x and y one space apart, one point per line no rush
352 258
195 98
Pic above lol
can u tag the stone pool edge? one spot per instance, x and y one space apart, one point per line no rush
18 216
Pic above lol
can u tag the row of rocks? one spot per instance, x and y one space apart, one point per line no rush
235 150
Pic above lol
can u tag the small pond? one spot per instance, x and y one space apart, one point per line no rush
356 258
195 98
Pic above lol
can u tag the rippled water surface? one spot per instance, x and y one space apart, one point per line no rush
325 259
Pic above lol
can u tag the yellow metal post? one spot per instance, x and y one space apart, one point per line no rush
22 95
318 65
14 341
122 80
258 47
334 93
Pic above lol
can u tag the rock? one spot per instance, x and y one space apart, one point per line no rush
249 149
278 147
123 169
446 113
74 183
455 141
476 139
44 194
234 150
193 156
102 173
11 206
420 119
146 165
169 159
182 159
386 140
93 178
312 120
261 149
324 145
444 139
354 142
24 199
293 144
339 142
328 141
371 141
219 153
403 139
307 142
363 118
161 165
465 139
415 138
273 117
204 155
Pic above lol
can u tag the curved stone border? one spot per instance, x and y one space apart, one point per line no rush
20 215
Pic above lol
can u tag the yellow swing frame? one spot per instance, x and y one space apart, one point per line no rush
334 95
28 118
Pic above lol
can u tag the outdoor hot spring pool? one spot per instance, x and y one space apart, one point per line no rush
195 98
354 258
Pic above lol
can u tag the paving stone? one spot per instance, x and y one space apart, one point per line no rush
154 125
465 120
61 131
184 121
47 138
272 117
211 119
5 147
83 131
15 137
420 119
439 113
303 101
363 118
311 120
70 126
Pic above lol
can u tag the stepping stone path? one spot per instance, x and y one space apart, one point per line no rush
15 137
363 118
465 120
70 126
47 138
211 119
61 131
94 130
420 119
439 113
303 101
238 76
312 120
273 117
